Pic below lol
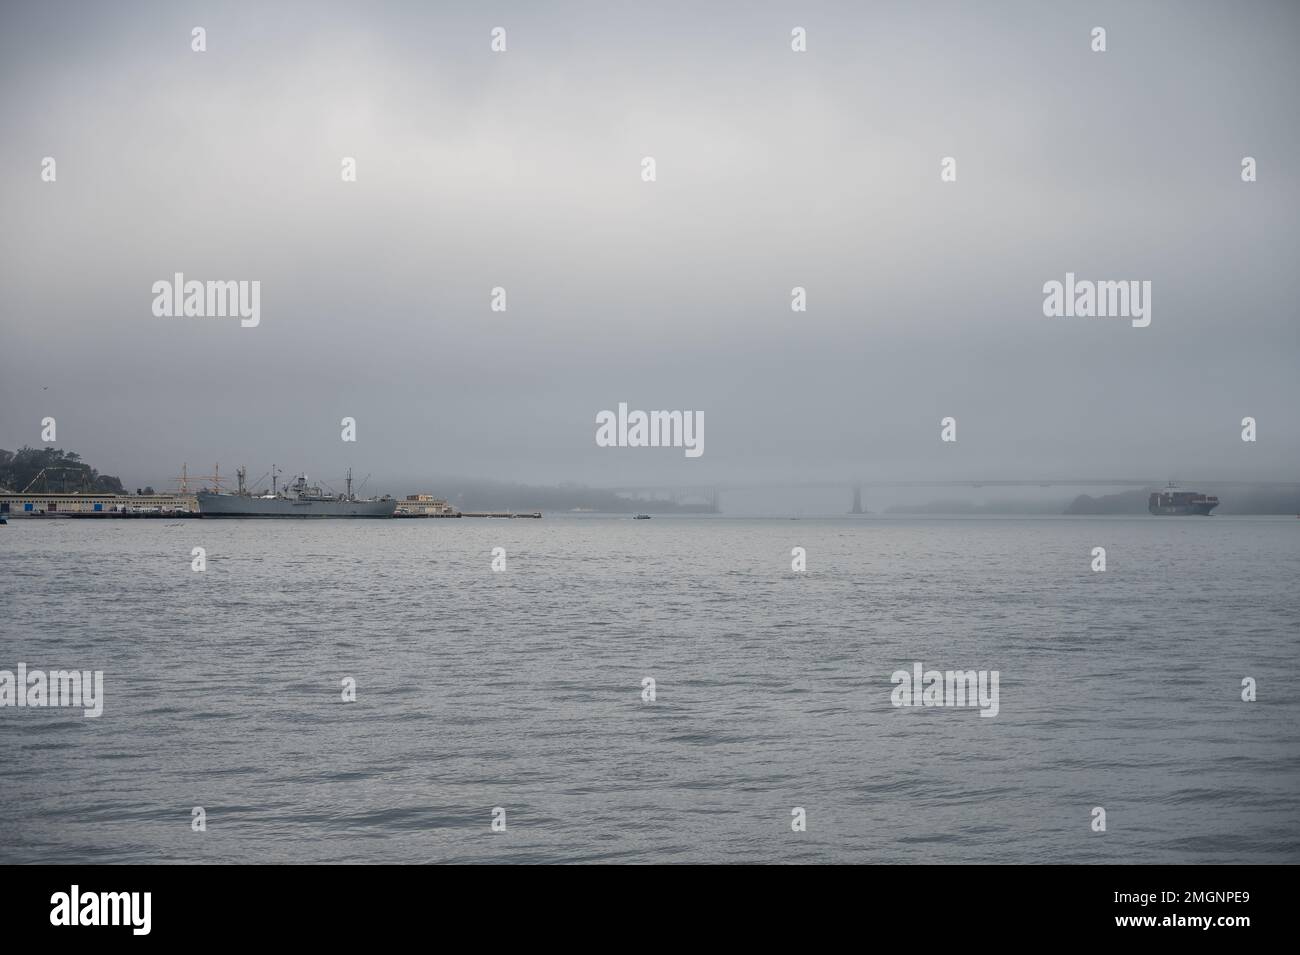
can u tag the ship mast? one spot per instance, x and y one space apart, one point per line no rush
349 494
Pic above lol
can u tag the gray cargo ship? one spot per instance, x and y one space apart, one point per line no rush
299 499
1172 502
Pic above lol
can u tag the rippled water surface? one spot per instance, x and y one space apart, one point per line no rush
522 690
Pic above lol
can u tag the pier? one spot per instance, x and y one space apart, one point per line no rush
110 506
536 515
93 504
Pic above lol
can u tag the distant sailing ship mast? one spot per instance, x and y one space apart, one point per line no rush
214 478
184 478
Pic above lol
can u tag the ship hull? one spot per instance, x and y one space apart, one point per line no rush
1174 503
1181 510
233 505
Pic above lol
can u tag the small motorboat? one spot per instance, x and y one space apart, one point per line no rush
641 517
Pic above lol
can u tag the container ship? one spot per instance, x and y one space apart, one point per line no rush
298 499
1172 502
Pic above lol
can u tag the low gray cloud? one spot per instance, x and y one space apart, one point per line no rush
775 170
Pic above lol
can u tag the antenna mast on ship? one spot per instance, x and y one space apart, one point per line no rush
349 494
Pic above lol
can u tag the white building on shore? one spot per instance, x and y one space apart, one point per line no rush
425 505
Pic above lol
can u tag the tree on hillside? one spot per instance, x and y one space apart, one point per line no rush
64 472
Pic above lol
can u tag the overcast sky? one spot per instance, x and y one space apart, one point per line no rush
775 169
